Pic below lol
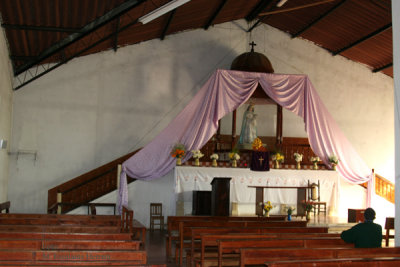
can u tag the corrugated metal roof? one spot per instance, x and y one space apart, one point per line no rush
359 30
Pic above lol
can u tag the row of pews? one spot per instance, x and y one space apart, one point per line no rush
205 241
71 240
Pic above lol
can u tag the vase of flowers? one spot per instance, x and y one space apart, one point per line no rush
289 211
334 160
298 158
278 158
257 145
308 206
197 155
214 158
267 207
234 157
178 152
315 161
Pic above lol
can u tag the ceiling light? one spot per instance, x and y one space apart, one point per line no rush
162 10
281 3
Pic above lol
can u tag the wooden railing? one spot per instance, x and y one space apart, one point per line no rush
86 187
290 145
384 188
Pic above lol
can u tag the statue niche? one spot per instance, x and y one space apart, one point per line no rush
254 62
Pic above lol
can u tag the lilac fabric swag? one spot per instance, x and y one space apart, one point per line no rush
224 92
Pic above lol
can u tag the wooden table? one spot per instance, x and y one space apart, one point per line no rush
301 197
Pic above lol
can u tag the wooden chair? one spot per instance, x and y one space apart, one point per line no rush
389 225
156 215
314 196
5 206
92 209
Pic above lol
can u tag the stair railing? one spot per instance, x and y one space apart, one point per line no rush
86 187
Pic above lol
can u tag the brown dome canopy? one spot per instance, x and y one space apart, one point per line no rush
254 62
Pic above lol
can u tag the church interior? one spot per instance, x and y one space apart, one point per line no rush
131 130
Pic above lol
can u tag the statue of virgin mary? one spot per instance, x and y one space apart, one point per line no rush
249 127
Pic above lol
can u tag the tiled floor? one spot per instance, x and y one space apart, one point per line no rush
155 243
155 247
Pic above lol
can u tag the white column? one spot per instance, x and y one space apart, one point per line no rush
396 74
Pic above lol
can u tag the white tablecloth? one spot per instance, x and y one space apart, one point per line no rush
189 178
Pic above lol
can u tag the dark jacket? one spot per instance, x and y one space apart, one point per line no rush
364 235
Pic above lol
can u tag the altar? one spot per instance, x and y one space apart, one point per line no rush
243 197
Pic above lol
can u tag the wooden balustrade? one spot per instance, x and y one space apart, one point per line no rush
290 145
384 188
87 187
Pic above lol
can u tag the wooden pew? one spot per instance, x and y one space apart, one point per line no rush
232 229
254 256
173 224
185 229
348 262
72 257
64 236
38 240
205 237
32 244
59 229
232 247
78 217
130 225
209 242
88 221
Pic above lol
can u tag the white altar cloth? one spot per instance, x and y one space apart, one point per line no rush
189 178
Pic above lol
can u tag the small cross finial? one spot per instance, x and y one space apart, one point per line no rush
253 44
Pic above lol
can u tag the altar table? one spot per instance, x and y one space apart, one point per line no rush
189 178
302 196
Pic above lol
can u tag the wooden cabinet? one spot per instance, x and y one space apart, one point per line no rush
220 196
201 204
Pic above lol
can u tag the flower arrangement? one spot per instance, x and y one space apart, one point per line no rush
258 145
178 151
308 206
214 156
268 206
197 154
290 210
333 159
314 159
298 157
234 155
278 157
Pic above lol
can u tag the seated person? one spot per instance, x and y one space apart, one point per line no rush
365 235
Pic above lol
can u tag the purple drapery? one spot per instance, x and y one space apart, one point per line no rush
224 92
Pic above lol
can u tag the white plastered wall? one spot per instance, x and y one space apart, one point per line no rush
99 107
5 114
